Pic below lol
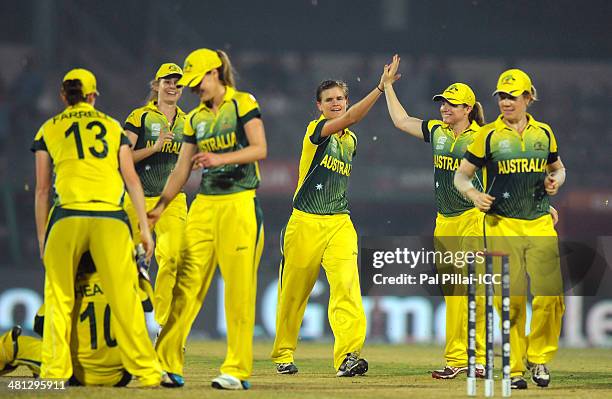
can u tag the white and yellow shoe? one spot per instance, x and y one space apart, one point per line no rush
226 381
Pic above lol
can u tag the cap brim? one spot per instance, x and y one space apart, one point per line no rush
511 93
191 79
440 97
169 75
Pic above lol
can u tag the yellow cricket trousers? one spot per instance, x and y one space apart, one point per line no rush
224 230
169 233
309 242
534 252
449 235
106 236
28 353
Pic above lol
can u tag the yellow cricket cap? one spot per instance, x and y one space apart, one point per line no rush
168 69
514 82
457 93
198 64
88 80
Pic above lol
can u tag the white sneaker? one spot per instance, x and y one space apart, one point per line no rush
226 381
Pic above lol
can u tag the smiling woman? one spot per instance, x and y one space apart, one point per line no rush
321 233
156 134
461 116
225 135
523 170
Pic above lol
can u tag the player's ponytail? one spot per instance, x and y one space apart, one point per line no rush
73 91
477 114
226 72
154 93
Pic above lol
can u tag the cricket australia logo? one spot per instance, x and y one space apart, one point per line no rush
538 146
155 129
453 89
508 80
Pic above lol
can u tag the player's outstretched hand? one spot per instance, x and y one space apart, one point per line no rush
390 75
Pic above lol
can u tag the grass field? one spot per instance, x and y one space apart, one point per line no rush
395 372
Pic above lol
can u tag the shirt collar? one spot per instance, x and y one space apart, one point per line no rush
81 104
152 105
471 127
501 125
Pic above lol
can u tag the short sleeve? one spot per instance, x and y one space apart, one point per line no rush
39 141
476 151
188 132
427 127
248 108
125 140
133 123
313 132
553 152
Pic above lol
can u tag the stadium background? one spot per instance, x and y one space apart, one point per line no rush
282 50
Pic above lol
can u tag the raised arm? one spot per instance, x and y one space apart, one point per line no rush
358 111
400 117
463 183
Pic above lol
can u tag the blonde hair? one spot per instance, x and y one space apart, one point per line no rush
226 72
477 114
154 92
531 95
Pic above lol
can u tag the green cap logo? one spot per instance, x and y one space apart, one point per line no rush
508 80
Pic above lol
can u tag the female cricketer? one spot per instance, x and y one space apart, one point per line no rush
523 168
96 357
320 233
156 134
225 135
457 217
91 159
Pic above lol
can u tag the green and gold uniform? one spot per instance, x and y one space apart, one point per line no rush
148 122
96 357
225 228
457 218
83 144
320 233
519 223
